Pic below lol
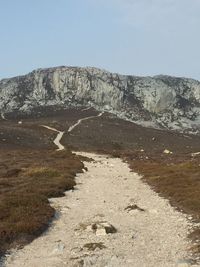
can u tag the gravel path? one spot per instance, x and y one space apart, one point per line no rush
71 128
58 138
150 233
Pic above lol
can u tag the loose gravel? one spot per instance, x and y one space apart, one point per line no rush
148 231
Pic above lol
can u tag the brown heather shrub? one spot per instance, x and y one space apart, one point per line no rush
31 177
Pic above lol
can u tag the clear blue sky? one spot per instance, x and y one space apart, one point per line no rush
141 37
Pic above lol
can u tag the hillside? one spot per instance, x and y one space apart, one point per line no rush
92 110
159 102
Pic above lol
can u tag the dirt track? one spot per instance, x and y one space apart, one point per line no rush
151 233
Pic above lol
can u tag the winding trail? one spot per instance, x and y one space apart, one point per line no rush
58 137
71 128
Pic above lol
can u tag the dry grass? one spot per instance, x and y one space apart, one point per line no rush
179 182
27 179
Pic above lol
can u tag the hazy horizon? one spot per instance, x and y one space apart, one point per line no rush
131 37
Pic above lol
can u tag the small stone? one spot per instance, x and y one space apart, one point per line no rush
101 232
88 228
59 249
195 154
134 235
166 151
103 228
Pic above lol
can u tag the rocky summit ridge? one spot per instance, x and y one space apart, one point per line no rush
159 101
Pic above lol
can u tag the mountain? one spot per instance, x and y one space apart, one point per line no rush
159 101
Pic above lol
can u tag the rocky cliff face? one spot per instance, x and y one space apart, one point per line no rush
155 101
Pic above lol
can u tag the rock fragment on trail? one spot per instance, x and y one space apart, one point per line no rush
59 248
133 207
103 228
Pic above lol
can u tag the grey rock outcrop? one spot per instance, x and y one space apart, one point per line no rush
159 101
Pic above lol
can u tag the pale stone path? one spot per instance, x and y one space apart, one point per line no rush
3 116
71 128
60 134
154 236
58 138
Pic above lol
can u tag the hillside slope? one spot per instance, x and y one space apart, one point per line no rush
159 101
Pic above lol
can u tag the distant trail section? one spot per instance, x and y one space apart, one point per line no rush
3 116
60 133
86 109
71 128
58 137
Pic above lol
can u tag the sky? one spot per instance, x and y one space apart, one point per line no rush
137 37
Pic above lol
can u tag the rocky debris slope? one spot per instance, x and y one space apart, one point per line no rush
111 219
163 101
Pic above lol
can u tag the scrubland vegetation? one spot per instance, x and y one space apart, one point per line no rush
27 179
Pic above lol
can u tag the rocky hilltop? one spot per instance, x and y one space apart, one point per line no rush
159 101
